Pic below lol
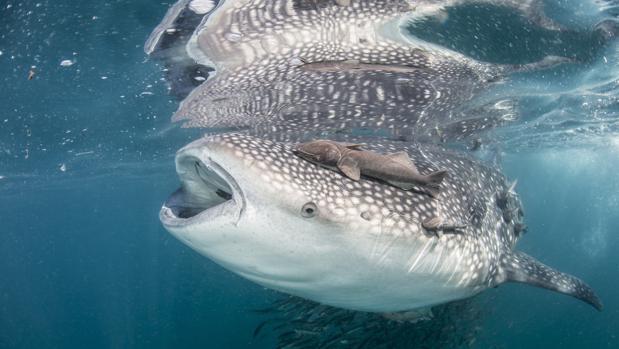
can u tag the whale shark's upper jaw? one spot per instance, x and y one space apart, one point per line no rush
209 194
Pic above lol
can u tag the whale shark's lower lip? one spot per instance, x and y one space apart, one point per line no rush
207 193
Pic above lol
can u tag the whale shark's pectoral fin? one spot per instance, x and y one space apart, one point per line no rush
349 167
520 267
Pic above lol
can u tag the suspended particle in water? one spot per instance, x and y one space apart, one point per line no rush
63 167
66 63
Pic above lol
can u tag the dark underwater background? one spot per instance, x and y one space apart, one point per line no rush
86 160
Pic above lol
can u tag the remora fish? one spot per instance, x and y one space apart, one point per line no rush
259 210
395 168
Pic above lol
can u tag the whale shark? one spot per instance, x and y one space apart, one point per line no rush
260 211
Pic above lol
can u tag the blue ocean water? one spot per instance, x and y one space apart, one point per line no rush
86 159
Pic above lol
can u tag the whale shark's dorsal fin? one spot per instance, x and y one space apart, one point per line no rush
520 267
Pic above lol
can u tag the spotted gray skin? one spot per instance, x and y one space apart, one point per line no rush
400 104
264 52
268 57
259 210
533 9
264 28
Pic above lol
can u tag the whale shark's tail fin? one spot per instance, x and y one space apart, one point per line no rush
520 267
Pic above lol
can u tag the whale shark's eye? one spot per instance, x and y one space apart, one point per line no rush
309 210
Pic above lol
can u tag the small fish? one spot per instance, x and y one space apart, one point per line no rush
31 74
512 188
411 316
396 168
475 144
520 228
259 328
511 208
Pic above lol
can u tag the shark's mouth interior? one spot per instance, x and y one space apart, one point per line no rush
207 191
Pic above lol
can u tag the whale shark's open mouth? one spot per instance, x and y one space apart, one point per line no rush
207 192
